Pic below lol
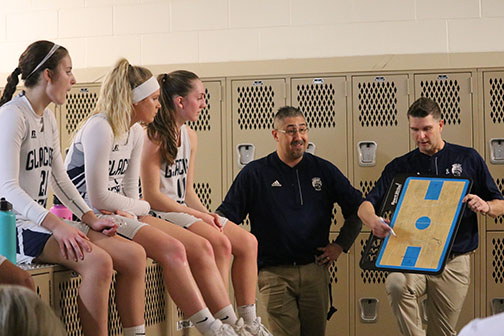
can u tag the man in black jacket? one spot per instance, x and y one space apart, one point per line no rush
289 196
447 291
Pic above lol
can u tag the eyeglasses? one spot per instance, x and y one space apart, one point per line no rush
294 131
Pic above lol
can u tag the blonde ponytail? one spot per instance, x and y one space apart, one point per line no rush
115 100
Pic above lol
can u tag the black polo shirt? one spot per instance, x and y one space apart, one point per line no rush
290 209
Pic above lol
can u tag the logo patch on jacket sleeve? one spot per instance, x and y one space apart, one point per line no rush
316 182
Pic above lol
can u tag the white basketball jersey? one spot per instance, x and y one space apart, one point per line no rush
174 177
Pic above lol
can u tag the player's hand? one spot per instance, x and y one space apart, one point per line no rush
212 219
380 227
72 242
328 254
476 204
106 225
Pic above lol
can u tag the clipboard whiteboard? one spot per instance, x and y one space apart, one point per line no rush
425 221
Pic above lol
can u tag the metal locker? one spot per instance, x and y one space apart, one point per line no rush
208 168
323 102
493 96
254 104
66 290
156 301
372 314
339 276
453 93
494 300
42 275
177 324
379 117
80 102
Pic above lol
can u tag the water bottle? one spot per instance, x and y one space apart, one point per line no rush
60 210
7 231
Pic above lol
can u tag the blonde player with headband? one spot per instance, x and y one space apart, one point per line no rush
30 160
104 164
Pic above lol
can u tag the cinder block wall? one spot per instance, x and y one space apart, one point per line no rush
151 32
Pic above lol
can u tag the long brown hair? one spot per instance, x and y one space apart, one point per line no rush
163 129
28 60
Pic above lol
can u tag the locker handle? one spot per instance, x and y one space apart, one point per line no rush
245 152
311 148
369 309
497 305
497 150
367 153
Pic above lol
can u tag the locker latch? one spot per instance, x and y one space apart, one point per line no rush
369 309
497 150
311 148
367 153
497 305
245 153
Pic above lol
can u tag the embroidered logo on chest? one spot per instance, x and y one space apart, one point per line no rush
456 169
276 184
316 182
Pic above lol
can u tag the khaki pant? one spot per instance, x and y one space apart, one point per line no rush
445 297
296 299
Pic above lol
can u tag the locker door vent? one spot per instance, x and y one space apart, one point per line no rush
333 272
256 107
498 260
69 315
447 94
497 100
500 185
377 104
203 122
366 186
114 321
370 276
333 215
180 314
317 101
155 299
78 106
204 193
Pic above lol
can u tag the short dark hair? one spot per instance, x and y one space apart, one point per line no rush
287 112
422 107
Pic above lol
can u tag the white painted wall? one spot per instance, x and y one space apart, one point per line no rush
149 32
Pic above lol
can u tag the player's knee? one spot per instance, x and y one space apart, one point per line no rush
221 247
98 264
174 255
136 258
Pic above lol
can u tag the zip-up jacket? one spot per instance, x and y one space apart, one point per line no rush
290 209
452 160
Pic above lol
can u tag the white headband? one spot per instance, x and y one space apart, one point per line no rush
145 89
49 54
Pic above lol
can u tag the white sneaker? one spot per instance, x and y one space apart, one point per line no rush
220 329
240 329
256 328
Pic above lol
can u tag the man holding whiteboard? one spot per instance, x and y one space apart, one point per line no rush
434 156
